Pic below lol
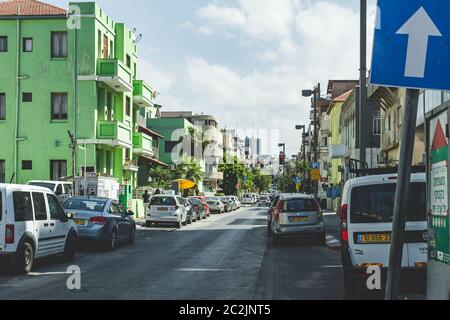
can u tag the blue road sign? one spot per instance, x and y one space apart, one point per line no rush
298 179
412 44
315 165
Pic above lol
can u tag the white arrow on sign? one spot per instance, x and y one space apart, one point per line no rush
419 28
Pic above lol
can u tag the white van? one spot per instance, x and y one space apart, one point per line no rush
367 210
248 199
63 190
33 224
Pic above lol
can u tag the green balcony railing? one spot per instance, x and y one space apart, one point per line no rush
142 144
115 73
143 93
115 133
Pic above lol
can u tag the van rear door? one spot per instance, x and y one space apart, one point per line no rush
416 227
370 226
2 218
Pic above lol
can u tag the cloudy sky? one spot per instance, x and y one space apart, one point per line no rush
244 61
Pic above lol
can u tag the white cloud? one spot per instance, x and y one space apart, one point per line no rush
303 42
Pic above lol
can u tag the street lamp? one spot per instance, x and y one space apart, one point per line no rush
283 157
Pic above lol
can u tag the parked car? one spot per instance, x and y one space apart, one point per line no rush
236 200
102 220
205 204
298 215
215 205
166 209
264 201
233 203
199 208
191 210
62 190
248 199
270 212
33 225
227 203
367 209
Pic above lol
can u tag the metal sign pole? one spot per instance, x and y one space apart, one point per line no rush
403 193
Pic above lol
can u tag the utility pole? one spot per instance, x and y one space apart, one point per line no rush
402 195
73 146
363 82
316 99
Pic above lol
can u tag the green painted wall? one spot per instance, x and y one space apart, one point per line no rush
42 139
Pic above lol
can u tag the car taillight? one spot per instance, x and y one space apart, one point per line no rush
344 231
98 220
9 236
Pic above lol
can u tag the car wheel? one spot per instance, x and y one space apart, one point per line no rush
178 225
190 220
70 248
24 259
132 236
112 241
148 224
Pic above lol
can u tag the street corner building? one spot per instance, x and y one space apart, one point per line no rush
71 71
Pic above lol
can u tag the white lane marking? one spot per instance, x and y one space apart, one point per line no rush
37 274
202 270
332 241
332 267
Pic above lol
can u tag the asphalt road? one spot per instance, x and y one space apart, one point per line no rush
227 257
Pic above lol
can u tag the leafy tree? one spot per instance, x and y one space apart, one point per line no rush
189 169
162 177
233 173
261 182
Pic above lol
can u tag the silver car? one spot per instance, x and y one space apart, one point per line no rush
101 220
165 209
297 215
215 205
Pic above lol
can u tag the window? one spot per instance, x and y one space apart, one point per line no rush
85 205
40 210
27 44
127 154
128 61
128 106
27 165
58 169
163 201
56 210
27 97
170 145
105 47
23 210
59 44
399 116
376 123
2 171
59 106
3 44
375 203
59 190
2 106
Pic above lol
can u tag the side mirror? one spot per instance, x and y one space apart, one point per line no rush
130 213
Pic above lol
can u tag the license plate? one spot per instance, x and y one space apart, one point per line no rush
79 222
374 238
299 219
163 209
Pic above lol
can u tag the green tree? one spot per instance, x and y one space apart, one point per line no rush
261 182
189 169
233 173
162 177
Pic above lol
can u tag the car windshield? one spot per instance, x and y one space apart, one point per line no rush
50 186
375 203
162 201
265 198
211 202
300 205
85 205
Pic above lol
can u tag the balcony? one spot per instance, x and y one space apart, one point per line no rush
115 74
115 134
142 144
325 126
213 176
143 94
131 165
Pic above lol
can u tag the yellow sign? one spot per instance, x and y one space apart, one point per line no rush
298 186
315 175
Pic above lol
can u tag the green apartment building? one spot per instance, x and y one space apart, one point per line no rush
70 71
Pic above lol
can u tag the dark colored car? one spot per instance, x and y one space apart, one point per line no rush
102 220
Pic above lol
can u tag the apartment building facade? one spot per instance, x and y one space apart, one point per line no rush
69 71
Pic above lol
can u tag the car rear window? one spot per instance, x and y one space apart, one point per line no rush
375 203
85 205
300 205
23 210
163 201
